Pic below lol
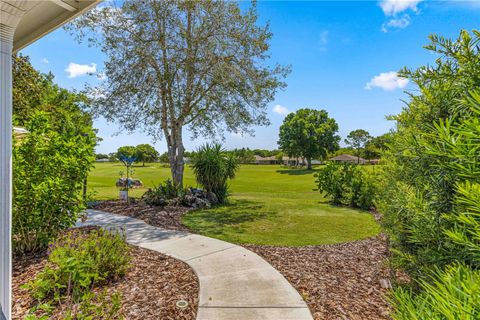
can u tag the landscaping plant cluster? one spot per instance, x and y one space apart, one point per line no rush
79 262
213 167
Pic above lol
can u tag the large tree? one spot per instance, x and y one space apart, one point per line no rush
308 133
176 64
145 153
357 139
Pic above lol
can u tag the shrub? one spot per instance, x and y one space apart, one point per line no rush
49 169
77 262
159 195
346 184
93 305
213 167
450 294
431 185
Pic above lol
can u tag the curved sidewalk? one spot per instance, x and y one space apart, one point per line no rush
235 283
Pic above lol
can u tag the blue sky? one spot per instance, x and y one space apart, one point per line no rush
344 55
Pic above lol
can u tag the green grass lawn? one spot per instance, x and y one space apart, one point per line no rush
270 205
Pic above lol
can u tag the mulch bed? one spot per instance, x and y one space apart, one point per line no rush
162 217
340 281
149 290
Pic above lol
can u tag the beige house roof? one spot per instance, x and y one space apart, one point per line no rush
259 158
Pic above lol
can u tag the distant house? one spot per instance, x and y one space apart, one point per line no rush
102 160
266 160
288 161
348 158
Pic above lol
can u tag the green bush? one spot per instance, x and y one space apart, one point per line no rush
49 169
451 294
346 184
77 262
430 191
159 195
213 167
430 183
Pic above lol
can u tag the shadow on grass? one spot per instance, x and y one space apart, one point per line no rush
296 172
229 217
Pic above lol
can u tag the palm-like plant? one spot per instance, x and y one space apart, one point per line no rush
213 167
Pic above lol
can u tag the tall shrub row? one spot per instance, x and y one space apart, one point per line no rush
430 190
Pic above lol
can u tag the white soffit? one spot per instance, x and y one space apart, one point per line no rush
41 17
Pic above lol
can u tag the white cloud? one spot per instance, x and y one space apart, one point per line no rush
76 70
281 110
44 60
393 7
387 81
400 23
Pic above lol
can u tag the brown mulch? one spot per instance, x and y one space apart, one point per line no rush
162 217
340 281
149 290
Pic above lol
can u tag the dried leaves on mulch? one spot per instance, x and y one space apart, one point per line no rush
150 289
163 217
340 281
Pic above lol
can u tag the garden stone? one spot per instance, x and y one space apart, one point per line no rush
133 183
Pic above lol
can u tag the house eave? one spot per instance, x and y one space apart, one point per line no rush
43 17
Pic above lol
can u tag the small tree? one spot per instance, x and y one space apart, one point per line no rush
145 153
309 134
213 167
126 151
357 140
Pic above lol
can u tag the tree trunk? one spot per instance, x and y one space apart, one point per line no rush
175 155
84 195
309 163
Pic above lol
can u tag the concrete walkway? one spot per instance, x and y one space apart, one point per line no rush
235 283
